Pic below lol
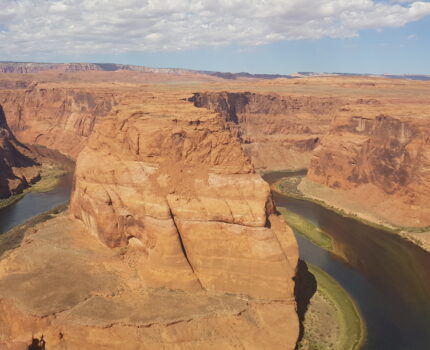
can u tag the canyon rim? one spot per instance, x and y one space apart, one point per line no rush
172 239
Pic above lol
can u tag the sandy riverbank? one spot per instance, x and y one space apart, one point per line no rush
302 188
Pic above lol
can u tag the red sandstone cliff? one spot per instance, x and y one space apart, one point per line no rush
277 132
380 160
18 167
55 116
193 254
181 182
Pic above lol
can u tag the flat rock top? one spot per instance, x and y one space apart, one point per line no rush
59 270
62 283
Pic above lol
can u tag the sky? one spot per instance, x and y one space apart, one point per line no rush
256 36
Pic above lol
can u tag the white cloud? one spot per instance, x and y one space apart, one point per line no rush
77 27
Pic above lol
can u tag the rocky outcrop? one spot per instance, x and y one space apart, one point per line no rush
386 158
174 186
58 117
18 166
79 294
277 132
177 180
194 255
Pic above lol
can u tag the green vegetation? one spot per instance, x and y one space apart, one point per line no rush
332 320
289 187
307 229
13 238
301 171
12 199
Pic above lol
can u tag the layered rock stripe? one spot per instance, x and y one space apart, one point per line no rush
166 193
167 189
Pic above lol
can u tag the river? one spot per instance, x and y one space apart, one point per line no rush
388 277
34 203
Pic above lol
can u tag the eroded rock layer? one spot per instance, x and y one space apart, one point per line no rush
18 166
178 186
57 117
380 160
277 132
83 295
176 244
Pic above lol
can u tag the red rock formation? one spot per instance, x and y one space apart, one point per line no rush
387 157
18 167
194 255
174 186
277 132
187 176
57 117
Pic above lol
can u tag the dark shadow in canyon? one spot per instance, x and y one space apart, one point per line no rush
304 289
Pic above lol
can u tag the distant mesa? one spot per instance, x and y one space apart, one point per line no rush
35 67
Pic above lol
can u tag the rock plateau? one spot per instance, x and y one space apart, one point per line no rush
173 242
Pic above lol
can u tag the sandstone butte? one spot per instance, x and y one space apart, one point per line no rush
172 239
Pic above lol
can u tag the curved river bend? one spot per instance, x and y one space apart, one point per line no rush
388 276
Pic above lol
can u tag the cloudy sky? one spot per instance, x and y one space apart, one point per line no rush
270 36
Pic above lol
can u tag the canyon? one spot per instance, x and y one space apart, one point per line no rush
170 236
379 160
365 147
172 239
18 165
277 132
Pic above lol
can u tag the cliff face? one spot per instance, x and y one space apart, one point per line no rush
170 183
18 166
60 118
277 132
369 152
193 254
181 182
383 157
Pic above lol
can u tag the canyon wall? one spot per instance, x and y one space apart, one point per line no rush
180 188
380 160
18 165
193 253
277 132
55 116
174 185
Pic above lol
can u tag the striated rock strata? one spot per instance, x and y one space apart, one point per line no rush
193 255
58 117
277 132
18 166
382 161
182 190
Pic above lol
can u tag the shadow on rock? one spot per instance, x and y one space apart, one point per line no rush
305 288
